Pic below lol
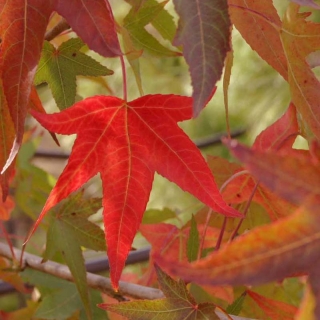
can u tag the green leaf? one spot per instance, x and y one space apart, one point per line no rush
236 307
193 242
135 22
178 304
33 184
68 231
156 216
59 68
164 23
60 298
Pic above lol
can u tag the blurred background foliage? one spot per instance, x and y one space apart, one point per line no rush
257 96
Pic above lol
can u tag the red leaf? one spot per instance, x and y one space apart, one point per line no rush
264 37
271 252
293 176
276 310
281 134
127 143
93 22
22 27
204 32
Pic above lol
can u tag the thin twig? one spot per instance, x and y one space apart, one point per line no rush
61 26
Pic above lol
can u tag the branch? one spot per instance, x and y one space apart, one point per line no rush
97 282
61 26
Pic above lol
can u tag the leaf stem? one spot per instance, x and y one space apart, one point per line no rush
218 244
124 77
235 231
5 233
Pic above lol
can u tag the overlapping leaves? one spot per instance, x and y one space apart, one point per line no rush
22 28
177 304
59 68
126 142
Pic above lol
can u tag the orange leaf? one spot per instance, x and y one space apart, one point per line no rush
264 37
276 310
267 253
293 176
300 38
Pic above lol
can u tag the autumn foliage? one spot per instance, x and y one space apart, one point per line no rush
253 249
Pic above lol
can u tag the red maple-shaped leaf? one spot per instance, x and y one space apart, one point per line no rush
127 142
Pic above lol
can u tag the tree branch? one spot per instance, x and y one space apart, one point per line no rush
61 26
97 282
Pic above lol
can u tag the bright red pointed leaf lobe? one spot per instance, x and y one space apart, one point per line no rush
281 134
93 22
127 143
22 27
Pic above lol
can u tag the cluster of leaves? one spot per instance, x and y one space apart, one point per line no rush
260 224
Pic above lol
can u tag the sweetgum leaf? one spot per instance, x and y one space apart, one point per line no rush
59 68
127 142
274 309
60 298
135 22
7 135
88 18
22 28
64 239
236 306
178 304
74 214
163 21
302 37
264 38
172 242
204 33
68 231
266 253
294 177
281 134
